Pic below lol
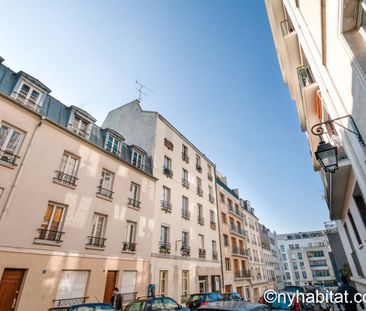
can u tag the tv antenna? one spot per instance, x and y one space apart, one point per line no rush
142 89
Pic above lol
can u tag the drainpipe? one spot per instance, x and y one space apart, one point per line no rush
20 170
219 229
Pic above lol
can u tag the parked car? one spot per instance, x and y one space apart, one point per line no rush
293 289
154 303
285 303
196 300
233 296
85 307
234 306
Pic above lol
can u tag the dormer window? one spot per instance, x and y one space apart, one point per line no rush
80 122
137 159
80 126
29 96
113 142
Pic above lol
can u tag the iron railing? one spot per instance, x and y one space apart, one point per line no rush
201 253
199 168
186 214
67 302
166 206
200 220
164 247
211 198
105 192
215 255
126 298
168 172
242 274
78 131
185 251
27 102
129 246
235 211
210 176
65 178
213 225
8 157
185 183
96 241
49 235
199 191
185 157
134 203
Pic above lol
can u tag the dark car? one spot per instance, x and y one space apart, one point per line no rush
235 306
154 303
285 302
233 296
196 300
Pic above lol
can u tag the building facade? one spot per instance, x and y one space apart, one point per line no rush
306 258
185 247
235 254
321 49
76 207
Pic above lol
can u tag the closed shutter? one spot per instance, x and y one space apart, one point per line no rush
128 282
72 284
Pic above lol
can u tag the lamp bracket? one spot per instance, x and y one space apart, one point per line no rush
318 130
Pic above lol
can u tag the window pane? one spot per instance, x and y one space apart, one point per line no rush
4 130
13 142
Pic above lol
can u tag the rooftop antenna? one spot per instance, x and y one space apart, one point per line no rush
142 90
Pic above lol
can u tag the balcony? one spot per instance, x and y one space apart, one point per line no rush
65 179
78 131
49 235
199 191
237 230
213 225
200 220
164 247
210 176
211 198
168 144
167 172
8 157
185 251
202 253
68 302
240 251
134 203
129 247
166 206
185 183
242 274
186 214
94 241
198 168
185 157
215 255
235 212
106 193
30 103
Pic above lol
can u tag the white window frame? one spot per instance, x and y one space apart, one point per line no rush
135 190
130 233
167 235
95 223
167 163
11 130
163 282
78 129
201 241
137 159
185 203
115 140
198 160
200 210
62 220
103 183
167 194
185 174
361 14
64 165
185 239
27 98
185 283
214 246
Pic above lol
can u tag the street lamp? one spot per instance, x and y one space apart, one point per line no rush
326 154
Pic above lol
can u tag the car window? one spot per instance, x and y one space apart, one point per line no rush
195 298
156 304
136 306
219 296
169 303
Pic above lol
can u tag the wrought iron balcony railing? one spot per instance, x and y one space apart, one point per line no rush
201 253
235 211
67 302
134 203
200 220
242 274
199 168
209 176
199 191
166 206
185 183
186 214
164 247
66 179
78 131
29 102
215 255
168 172
49 235
211 198
8 157
213 225
96 241
105 192
129 246
185 251
185 157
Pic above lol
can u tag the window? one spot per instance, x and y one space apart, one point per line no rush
288 277
212 218
199 186
209 172
227 264
97 234
164 233
80 126
185 239
299 255
185 208
185 156
282 248
163 282
68 169
201 241
198 163
106 184
223 217
134 199
137 159
360 202
166 201
167 168
113 144
185 283
302 265
284 257
185 181
304 276
285 266
210 194
29 96
72 285
362 19
214 246
130 237
297 275
200 218
226 240
295 265
51 227
354 227
10 142
222 198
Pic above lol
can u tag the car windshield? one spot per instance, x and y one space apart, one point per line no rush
136 306
195 297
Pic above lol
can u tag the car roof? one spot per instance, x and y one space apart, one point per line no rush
92 304
233 305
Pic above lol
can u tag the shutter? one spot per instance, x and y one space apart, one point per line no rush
128 282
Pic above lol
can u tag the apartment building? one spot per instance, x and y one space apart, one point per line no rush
272 258
258 280
306 258
76 203
235 255
321 47
185 245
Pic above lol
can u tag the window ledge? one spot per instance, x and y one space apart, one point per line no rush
96 248
46 242
56 181
7 164
128 252
104 197
134 207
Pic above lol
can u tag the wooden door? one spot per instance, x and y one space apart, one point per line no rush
10 284
109 285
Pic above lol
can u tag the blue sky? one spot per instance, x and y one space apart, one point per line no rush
214 72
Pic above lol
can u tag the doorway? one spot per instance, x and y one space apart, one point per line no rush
10 284
109 285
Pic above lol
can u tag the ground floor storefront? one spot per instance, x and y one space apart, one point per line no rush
38 280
